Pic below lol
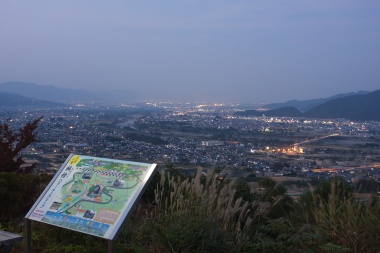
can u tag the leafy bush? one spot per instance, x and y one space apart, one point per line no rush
18 192
343 220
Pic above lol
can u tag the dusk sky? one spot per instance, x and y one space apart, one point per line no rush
194 50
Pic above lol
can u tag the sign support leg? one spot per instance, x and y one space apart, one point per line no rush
28 236
111 246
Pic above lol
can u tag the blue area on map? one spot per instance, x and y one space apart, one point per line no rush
76 223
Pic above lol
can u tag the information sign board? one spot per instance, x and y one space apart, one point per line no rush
92 195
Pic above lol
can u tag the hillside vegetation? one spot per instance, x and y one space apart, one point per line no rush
203 214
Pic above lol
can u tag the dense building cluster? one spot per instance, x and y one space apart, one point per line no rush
191 135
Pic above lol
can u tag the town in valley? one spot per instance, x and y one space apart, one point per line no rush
187 136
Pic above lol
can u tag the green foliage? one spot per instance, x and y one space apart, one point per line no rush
243 190
51 239
335 186
342 219
275 194
203 214
189 231
367 186
330 247
18 192
67 248
330 192
278 235
272 189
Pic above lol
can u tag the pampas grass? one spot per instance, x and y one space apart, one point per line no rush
205 196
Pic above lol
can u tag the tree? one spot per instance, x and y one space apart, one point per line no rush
367 186
330 193
275 194
243 190
335 186
13 142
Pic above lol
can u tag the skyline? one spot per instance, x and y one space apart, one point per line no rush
242 51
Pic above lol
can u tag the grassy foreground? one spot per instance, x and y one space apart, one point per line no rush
203 214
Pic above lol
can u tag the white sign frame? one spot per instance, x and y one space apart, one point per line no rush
92 195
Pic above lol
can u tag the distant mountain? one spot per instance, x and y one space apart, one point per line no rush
52 93
356 107
14 100
305 105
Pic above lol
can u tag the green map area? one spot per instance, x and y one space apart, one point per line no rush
99 189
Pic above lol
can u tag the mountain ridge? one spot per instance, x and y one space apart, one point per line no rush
305 105
360 105
12 100
64 95
354 107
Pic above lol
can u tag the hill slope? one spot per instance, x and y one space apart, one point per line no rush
52 93
356 107
13 100
305 105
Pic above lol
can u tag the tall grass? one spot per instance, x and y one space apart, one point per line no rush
345 221
203 214
203 207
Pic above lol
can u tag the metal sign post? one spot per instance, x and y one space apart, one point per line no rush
28 235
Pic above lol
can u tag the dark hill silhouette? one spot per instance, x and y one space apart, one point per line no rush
13 100
305 105
356 107
63 95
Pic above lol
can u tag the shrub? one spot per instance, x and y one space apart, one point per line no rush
344 221
18 192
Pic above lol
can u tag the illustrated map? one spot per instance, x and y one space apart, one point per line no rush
92 195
